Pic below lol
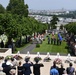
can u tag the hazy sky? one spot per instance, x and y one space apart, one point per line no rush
47 4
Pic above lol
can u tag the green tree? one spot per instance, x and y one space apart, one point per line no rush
54 21
2 9
17 7
71 27
9 25
61 27
1 26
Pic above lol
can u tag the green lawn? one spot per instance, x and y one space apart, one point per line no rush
45 47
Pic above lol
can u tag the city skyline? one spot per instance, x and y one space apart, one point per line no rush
47 4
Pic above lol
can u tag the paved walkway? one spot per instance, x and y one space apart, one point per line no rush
28 48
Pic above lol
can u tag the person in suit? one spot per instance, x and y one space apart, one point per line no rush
26 67
6 67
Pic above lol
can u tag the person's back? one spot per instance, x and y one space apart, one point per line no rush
54 71
54 66
7 69
70 70
36 68
61 70
20 68
26 67
4 64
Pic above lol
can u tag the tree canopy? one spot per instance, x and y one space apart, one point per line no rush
15 21
2 9
71 27
18 7
54 21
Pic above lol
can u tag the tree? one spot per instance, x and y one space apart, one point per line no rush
17 7
54 21
71 27
2 9
61 27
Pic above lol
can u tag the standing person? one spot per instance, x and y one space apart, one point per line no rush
48 39
54 66
61 70
4 64
60 38
2 44
54 69
26 67
7 68
54 39
70 70
14 62
20 68
36 67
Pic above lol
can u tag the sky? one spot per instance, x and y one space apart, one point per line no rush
47 4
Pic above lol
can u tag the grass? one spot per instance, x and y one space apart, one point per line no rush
45 47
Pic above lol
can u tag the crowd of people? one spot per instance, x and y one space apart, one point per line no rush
13 67
55 70
55 40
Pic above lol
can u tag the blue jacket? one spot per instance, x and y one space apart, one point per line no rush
54 71
60 37
26 68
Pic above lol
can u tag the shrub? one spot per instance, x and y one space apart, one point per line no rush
37 45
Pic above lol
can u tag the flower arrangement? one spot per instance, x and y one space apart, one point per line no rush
37 58
67 61
1 57
8 57
58 61
17 57
47 59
